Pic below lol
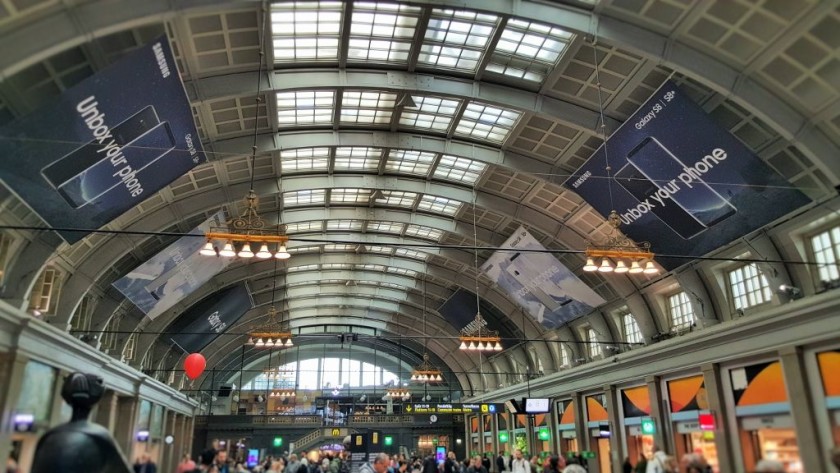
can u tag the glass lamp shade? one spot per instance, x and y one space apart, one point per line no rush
621 267
635 268
463 346
606 266
650 268
590 265
208 249
246 252
227 250
282 253
263 253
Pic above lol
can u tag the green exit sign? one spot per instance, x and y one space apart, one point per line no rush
278 441
389 440
648 427
544 435
587 454
503 437
571 454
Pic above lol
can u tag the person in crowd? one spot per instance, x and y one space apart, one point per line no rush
325 466
659 463
476 466
769 466
221 461
187 465
519 464
641 464
293 465
574 468
450 465
554 464
535 466
501 464
144 464
430 465
627 467
485 461
380 464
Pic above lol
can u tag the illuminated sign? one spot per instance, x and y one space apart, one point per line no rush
278 441
648 427
544 435
707 421
453 408
389 440
503 437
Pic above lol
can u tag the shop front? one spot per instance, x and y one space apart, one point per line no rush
475 438
762 409
542 435
33 411
598 426
829 364
503 426
566 434
488 446
687 402
635 408
520 434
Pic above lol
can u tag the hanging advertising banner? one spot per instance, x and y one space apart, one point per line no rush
105 145
204 322
174 273
682 182
538 282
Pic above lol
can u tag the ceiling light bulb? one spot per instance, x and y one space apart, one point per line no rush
260 342
263 253
635 268
463 346
208 249
246 252
606 266
228 250
471 346
250 341
289 342
650 268
621 267
590 265
414 377
498 347
282 253
269 343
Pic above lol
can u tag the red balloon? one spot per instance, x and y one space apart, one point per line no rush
194 365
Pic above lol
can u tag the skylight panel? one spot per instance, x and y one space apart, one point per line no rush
403 271
406 253
454 168
382 32
442 205
528 50
369 267
305 107
383 250
305 249
409 162
385 227
333 247
353 225
304 197
304 267
304 160
357 158
305 31
391 285
456 39
367 107
336 266
431 113
397 198
424 232
486 122
349 196
303 227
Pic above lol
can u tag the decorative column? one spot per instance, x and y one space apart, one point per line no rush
659 415
802 409
717 404
616 428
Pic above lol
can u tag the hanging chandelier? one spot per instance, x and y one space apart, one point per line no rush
477 337
243 231
629 257
425 372
278 374
271 334
397 393
283 393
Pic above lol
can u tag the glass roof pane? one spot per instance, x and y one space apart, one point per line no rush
305 267
355 225
304 160
435 204
349 196
424 232
305 107
333 266
391 285
528 50
382 32
456 39
379 249
409 162
305 31
369 267
454 168
385 227
359 107
486 122
357 158
397 198
305 249
403 271
410 254
304 197
339 247
301 227
431 113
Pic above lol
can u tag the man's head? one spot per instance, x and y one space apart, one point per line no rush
293 458
451 455
221 456
477 460
381 463
144 458
518 454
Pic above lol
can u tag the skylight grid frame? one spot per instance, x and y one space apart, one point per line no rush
305 107
406 253
528 50
357 158
304 197
344 224
421 231
312 226
367 107
378 249
410 162
397 199
456 39
431 113
305 249
306 31
350 196
392 228
458 169
436 204
382 32
304 160
339 247
487 122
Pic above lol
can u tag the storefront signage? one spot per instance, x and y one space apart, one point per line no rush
450 408
503 437
707 421
544 435
588 454
688 427
278 441
767 422
648 427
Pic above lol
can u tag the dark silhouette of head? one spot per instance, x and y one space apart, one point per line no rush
82 391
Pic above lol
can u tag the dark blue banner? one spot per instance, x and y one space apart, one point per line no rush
203 323
105 145
681 181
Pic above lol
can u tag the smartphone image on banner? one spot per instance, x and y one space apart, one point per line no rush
83 175
545 299
661 166
440 454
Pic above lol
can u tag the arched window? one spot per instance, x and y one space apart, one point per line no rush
324 373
